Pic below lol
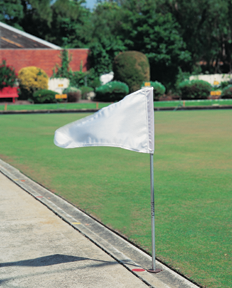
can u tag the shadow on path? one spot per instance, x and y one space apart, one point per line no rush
49 260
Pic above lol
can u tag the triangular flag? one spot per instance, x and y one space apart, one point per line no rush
127 124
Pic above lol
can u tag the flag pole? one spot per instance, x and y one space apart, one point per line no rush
153 269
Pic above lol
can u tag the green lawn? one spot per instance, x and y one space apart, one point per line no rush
93 105
189 103
53 106
192 166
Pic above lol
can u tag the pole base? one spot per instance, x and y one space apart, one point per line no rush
154 271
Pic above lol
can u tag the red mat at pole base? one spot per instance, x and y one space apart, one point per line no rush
138 270
154 271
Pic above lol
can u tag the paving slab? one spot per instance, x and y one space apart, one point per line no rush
48 242
38 249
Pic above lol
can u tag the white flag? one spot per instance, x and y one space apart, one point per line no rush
127 124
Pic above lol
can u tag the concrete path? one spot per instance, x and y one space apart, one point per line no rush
47 242
38 249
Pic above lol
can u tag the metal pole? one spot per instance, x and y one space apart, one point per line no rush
153 270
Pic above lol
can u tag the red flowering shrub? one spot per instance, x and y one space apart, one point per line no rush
7 75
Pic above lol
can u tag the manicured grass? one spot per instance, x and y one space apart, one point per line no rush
53 106
93 105
190 103
193 167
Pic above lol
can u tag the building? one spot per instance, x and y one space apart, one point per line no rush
21 49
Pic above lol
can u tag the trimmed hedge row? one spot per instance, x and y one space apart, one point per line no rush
112 91
33 83
194 89
227 92
44 96
159 89
73 94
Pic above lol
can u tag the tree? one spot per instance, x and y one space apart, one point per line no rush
105 20
102 54
37 17
70 24
206 28
62 23
105 41
11 12
157 36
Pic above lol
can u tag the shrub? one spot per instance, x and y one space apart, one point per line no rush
194 89
44 96
159 89
31 79
7 75
93 80
227 92
102 53
112 91
76 78
63 70
132 68
85 90
73 93
225 84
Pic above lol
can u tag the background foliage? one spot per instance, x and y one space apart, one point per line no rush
131 67
44 96
194 89
112 91
177 36
7 75
31 79
227 92
158 89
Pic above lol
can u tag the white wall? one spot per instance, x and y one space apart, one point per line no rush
212 78
58 84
